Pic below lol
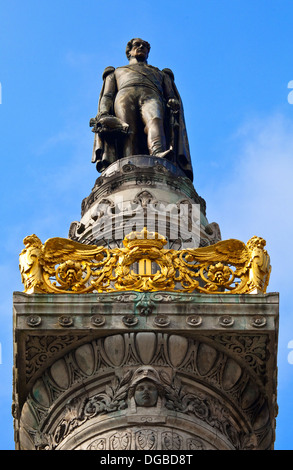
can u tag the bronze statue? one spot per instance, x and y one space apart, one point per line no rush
140 113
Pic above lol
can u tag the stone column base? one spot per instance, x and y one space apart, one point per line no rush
81 362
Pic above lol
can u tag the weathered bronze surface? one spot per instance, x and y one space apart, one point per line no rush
140 112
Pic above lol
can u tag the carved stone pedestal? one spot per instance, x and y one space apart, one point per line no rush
144 191
145 371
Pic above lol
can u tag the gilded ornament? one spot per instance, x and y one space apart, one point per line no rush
143 264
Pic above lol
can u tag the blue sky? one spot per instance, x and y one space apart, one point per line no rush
232 61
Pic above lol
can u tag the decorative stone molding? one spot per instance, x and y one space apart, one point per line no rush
125 179
100 379
213 387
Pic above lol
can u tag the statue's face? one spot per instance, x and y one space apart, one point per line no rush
139 50
146 393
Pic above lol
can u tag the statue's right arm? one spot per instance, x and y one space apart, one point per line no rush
108 92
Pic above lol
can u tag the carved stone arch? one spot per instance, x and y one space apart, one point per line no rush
105 208
186 212
145 198
75 230
204 395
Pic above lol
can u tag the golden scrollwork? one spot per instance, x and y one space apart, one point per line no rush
63 266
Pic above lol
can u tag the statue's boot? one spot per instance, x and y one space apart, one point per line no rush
168 154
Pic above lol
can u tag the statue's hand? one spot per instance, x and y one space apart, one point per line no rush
102 114
94 121
173 104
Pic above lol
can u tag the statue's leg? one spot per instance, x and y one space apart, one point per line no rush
152 112
125 108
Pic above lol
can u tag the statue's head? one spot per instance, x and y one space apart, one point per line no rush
146 387
32 240
256 242
146 393
138 48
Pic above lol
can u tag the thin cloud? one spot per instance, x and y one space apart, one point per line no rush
258 192
256 198
53 141
77 59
